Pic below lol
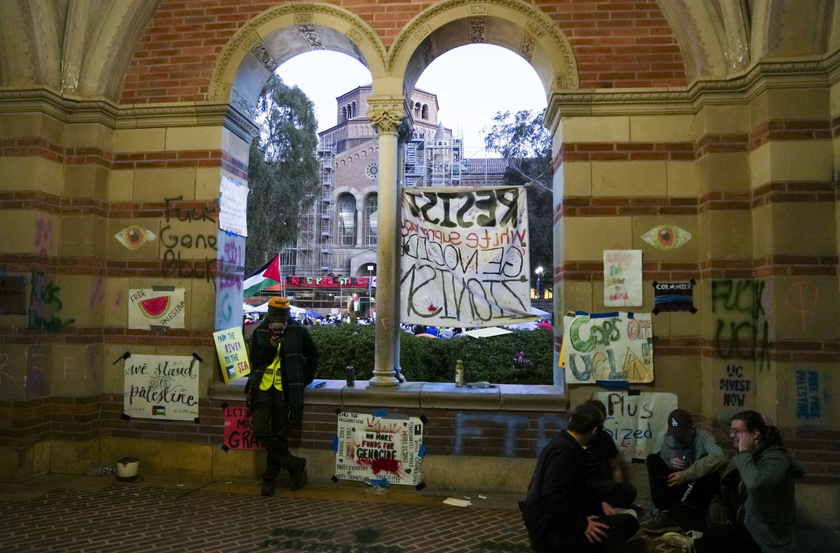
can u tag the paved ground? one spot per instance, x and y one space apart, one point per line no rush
70 514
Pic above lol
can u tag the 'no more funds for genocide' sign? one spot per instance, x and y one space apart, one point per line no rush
371 448
464 257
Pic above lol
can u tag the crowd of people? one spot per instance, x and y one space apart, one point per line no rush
579 501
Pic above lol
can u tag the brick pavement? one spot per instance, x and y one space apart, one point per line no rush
102 515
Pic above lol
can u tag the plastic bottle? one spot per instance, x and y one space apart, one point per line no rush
459 373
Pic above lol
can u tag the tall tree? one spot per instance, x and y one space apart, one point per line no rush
525 144
282 171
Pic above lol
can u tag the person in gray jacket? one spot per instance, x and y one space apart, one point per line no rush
768 473
683 476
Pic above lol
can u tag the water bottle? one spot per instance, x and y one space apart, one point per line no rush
459 373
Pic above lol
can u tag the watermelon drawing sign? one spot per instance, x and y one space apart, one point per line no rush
156 309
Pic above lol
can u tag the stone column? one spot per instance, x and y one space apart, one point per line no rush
386 113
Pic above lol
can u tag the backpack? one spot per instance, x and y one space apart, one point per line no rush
727 508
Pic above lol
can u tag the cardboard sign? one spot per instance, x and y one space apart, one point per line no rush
607 347
233 357
371 448
239 429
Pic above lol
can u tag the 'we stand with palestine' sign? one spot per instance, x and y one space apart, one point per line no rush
464 257
161 387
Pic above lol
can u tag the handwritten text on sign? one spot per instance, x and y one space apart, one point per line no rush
161 387
370 448
608 346
230 346
239 429
464 257
637 423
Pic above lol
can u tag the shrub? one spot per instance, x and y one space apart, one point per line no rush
521 357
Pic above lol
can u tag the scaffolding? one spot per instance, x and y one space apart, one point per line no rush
433 160
313 253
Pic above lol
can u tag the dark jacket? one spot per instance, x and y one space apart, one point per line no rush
298 366
555 510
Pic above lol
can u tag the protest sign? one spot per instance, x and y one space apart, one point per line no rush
371 448
464 257
623 277
637 423
156 309
230 347
607 347
161 387
239 429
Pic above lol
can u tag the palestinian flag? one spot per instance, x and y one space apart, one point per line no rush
268 275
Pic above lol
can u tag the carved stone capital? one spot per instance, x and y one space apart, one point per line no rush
386 114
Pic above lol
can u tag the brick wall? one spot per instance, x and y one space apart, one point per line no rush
446 432
616 43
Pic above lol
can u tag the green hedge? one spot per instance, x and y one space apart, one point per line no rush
495 360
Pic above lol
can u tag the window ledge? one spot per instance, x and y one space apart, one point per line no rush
422 395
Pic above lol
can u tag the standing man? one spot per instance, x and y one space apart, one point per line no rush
284 359
560 512
683 476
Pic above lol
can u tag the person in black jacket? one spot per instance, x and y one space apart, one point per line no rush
284 359
560 512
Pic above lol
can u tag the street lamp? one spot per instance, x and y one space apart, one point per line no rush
539 272
370 277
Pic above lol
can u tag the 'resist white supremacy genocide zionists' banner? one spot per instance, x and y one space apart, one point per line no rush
464 257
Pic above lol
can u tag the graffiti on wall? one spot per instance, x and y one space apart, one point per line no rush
734 386
476 425
802 298
174 242
45 305
741 329
229 277
808 395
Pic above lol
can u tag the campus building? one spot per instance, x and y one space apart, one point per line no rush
704 134
338 234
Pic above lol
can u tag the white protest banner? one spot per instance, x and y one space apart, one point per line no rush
608 347
233 207
161 387
623 277
371 448
158 308
464 257
230 346
637 423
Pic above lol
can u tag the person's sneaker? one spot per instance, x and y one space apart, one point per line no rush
659 525
683 541
297 474
268 488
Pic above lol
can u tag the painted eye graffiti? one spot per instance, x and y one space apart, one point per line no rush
134 236
666 237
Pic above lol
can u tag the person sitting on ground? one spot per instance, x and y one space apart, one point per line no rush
768 473
605 469
559 512
683 476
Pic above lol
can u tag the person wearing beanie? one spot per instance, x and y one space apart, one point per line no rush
559 511
284 360
683 476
